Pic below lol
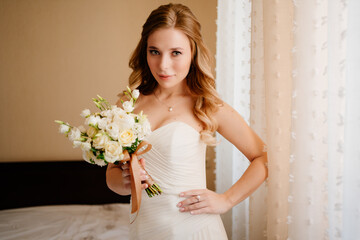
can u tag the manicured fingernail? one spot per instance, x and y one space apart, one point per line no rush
146 186
181 194
179 204
143 172
191 212
182 209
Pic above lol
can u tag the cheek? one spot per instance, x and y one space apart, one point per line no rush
150 63
185 65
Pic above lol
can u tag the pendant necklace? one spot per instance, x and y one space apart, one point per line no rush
170 108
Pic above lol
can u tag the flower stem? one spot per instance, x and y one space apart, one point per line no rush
153 190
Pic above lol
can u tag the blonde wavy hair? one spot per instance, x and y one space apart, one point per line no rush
200 80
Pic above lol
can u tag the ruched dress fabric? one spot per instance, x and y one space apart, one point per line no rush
177 163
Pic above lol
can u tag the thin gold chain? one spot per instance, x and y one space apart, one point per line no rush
170 108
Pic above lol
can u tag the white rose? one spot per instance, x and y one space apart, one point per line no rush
91 132
102 123
143 130
142 127
124 122
113 130
100 140
85 146
64 128
147 127
99 162
85 113
116 111
91 158
128 106
88 156
106 113
135 93
113 151
127 137
74 134
93 120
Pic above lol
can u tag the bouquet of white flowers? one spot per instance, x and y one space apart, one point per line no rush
114 135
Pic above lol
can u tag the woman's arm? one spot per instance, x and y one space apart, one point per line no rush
232 127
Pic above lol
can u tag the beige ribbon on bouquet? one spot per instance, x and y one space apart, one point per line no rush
135 167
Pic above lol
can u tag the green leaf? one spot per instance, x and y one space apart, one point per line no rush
94 126
59 122
101 156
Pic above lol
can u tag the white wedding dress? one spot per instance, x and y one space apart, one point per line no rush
177 163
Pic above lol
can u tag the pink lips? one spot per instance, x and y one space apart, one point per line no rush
164 76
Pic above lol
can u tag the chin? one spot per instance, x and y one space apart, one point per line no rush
169 84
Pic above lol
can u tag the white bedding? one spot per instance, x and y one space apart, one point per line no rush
66 222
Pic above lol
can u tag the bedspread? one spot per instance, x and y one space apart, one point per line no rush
66 222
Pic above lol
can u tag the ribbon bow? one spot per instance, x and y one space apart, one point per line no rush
135 167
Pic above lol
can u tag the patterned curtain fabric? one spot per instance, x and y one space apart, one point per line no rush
289 67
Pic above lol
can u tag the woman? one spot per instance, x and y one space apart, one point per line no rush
171 69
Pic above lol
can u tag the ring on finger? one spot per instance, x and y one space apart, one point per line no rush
122 165
198 198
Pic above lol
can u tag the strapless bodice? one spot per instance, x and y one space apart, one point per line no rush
176 162
177 158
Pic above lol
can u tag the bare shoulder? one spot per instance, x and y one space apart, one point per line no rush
227 115
142 102
233 127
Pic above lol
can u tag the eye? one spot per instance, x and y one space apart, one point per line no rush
176 53
154 52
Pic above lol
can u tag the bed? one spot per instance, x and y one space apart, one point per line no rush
60 200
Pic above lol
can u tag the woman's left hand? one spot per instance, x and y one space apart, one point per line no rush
204 201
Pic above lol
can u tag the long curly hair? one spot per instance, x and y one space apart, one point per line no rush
200 80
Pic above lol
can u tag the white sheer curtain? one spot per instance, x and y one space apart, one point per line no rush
233 56
305 103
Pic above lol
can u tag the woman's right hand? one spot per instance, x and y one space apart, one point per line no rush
126 175
118 177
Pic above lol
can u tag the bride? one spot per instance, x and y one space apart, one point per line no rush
171 69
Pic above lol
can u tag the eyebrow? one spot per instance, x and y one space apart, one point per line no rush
175 48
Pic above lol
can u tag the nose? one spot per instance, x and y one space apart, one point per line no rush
164 62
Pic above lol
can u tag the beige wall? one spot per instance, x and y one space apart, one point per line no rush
56 55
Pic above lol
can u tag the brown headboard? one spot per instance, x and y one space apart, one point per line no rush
25 184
